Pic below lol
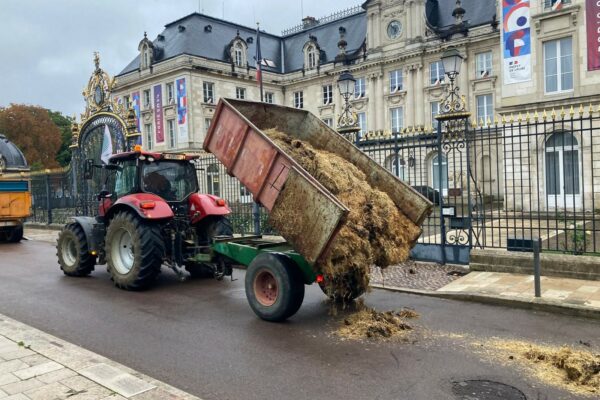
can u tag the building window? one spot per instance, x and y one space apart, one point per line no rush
555 4
397 165
298 100
441 185
558 65
396 119
149 136
436 73
362 123
485 109
208 91
127 102
213 185
360 88
435 110
240 93
238 54
311 57
207 122
171 133
483 64
170 93
147 98
328 121
269 98
563 185
395 81
327 94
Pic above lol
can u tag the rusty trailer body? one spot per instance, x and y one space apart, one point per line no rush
277 182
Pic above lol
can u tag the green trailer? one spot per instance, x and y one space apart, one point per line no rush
275 272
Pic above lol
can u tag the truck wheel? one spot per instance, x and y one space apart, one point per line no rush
73 252
207 230
15 234
274 287
134 251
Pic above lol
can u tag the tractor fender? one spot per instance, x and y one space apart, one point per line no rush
87 224
146 205
206 205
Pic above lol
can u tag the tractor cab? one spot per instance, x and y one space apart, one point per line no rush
167 175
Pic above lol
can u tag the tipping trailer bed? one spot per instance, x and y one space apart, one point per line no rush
279 183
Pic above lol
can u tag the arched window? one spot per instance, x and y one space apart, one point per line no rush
312 57
213 184
146 49
239 60
239 50
563 181
439 182
397 165
311 54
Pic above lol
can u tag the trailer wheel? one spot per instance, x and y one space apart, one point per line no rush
134 251
274 287
73 252
15 234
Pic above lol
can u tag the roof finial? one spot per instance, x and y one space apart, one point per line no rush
145 35
458 13
97 60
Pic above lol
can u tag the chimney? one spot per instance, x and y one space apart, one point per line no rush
309 22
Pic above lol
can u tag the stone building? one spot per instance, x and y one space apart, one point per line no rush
393 49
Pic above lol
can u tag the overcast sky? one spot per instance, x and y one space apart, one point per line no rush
46 53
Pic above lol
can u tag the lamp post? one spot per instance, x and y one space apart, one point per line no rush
348 120
454 104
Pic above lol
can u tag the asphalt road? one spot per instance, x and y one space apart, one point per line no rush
202 337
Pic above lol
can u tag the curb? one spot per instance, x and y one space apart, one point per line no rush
51 227
526 304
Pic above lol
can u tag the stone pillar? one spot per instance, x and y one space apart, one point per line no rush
419 95
409 21
372 96
380 109
370 36
410 98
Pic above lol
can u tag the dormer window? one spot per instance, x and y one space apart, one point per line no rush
311 54
146 49
239 50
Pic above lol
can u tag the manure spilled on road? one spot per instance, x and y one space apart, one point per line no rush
575 370
367 323
376 231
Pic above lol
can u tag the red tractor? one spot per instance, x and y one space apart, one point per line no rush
153 216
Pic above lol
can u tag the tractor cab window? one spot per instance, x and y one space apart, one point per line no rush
173 181
125 178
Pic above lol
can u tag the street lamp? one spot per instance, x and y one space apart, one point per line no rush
348 120
454 104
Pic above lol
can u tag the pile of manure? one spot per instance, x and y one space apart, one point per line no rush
367 323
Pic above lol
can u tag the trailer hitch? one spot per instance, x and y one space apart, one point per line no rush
182 274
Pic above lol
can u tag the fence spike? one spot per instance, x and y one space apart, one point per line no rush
488 122
519 117
544 115
511 119
591 110
503 119
581 110
527 117
553 114
474 123
562 112
480 122
598 110
571 111
496 119
536 116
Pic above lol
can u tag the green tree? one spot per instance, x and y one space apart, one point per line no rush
34 132
64 124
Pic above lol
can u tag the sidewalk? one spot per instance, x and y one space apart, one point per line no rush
569 296
38 366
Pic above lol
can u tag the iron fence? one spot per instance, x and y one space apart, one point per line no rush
497 184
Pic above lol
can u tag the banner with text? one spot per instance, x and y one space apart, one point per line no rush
182 111
592 11
516 41
158 114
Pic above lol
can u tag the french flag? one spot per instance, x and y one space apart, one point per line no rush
556 5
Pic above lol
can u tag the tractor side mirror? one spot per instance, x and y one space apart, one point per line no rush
88 169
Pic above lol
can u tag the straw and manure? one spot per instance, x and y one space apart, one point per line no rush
376 231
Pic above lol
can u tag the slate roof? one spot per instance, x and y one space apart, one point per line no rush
214 45
478 12
286 51
11 155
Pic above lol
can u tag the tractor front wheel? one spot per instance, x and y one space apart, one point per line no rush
274 287
73 252
134 251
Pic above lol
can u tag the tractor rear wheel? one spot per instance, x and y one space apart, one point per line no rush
15 234
207 230
274 287
134 251
73 252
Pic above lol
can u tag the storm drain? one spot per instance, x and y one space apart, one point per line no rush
486 390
